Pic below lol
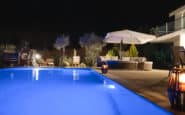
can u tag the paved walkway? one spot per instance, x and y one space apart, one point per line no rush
150 84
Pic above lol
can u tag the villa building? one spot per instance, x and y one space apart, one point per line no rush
179 15
174 31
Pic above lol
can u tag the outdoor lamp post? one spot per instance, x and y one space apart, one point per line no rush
176 88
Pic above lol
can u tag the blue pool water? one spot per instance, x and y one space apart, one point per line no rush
60 91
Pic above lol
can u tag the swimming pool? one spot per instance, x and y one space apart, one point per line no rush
68 91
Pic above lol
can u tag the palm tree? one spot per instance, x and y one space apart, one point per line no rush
61 42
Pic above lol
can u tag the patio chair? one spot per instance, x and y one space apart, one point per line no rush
50 61
41 62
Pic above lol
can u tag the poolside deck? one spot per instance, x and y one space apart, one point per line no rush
150 84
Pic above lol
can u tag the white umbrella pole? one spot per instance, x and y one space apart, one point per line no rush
120 50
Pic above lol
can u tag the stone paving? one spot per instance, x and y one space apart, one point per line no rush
150 84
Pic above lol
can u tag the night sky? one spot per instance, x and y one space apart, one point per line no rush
75 17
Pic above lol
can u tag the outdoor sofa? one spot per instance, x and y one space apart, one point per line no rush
127 63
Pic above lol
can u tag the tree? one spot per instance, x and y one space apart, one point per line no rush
61 42
93 45
25 55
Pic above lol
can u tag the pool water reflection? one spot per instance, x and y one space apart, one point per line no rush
61 91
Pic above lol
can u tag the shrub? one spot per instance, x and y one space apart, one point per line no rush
67 61
133 51
111 53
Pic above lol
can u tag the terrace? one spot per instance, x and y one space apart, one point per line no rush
149 84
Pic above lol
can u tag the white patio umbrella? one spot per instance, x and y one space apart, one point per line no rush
128 37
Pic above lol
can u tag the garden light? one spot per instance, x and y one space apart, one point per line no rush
37 56
104 67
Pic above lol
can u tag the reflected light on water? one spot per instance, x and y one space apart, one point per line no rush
35 74
75 75
11 76
106 84
111 86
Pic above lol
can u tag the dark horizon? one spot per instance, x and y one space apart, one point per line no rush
84 16
75 18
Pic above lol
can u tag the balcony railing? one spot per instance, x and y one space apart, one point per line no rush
169 27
